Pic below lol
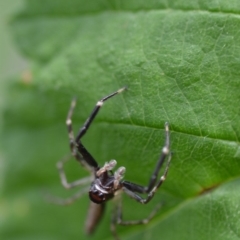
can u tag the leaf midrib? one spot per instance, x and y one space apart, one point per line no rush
228 141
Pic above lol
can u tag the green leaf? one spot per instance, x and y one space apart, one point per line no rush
180 61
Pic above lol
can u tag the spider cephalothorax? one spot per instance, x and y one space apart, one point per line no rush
105 184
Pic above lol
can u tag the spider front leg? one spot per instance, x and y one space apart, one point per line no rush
165 152
99 104
87 163
131 189
76 145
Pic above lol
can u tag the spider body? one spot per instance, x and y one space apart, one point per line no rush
100 193
102 189
106 184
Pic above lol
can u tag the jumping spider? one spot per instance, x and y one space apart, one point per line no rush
105 184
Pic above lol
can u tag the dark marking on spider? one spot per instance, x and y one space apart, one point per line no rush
105 184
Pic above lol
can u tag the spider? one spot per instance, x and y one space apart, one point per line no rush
105 184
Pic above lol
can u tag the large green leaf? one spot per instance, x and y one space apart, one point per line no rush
180 61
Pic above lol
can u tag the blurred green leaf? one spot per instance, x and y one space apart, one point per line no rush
180 61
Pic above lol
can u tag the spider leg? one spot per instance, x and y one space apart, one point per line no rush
63 177
117 218
86 159
136 222
99 104
130 188
67 201
165 152
117 211
75 143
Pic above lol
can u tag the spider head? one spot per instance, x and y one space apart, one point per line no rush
106 183
98 194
